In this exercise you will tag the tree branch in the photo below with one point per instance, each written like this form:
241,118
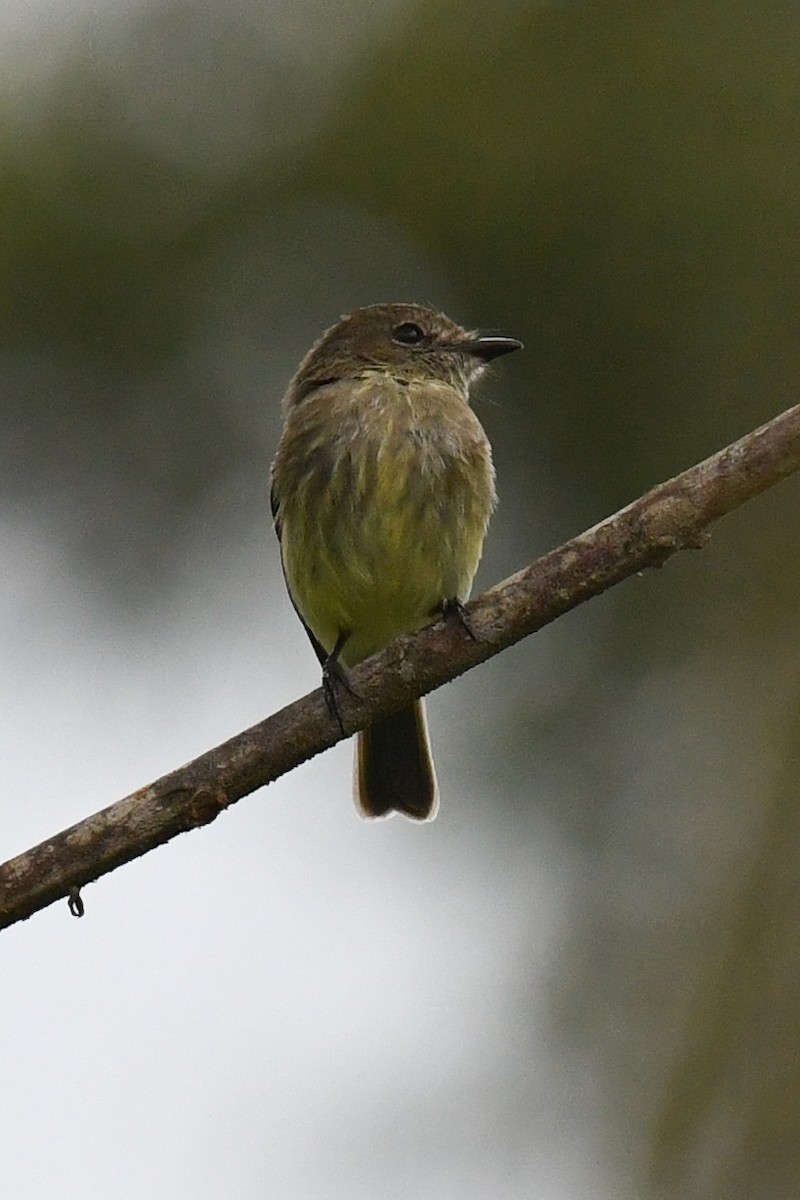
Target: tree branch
673,516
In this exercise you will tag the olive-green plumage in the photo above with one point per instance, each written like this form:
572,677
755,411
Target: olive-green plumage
382,489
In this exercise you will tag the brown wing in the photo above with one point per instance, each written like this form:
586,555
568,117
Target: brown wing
275,507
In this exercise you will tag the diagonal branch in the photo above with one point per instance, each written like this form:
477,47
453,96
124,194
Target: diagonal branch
673,516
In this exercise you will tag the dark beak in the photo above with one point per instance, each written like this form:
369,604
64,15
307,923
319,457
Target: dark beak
489,346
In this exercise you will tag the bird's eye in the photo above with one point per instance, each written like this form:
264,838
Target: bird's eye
408,334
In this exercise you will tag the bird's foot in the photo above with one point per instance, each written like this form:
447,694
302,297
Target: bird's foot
454,610
334,676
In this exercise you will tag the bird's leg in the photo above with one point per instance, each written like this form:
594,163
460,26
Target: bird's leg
454,610
333,674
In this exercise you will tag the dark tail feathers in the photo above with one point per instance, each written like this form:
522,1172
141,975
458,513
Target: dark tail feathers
394,767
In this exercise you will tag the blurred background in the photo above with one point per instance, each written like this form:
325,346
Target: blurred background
582,980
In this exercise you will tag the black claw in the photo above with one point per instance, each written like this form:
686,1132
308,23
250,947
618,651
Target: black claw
333,674
329,691
454,610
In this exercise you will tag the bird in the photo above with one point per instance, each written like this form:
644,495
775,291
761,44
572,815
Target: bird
382,488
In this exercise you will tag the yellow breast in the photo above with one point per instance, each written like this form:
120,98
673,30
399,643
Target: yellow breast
385,492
